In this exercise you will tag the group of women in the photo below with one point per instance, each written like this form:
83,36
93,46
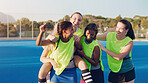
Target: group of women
69,48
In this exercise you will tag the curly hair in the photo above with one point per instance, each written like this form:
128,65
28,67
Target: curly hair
60,27
63,26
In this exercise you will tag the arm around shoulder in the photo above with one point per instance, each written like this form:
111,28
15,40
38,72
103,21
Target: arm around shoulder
102,36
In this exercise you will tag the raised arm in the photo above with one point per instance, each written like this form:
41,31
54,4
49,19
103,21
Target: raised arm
50,39
124,52
39,38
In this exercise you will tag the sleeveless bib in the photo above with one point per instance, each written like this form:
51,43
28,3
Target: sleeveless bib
88,50
115,46
79,33
63,54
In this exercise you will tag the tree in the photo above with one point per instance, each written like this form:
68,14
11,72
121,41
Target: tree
25,24
36,26
129,19
137,24
136,17
65,18
144,23
3,30
100,17
112,23
118,18
84,23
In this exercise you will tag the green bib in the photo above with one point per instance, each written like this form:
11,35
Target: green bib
88,50
115,46
79,32
63,54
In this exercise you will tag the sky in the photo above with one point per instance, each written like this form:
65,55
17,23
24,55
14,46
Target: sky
43,10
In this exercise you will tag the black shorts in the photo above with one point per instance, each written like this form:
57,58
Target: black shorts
121,77
97,76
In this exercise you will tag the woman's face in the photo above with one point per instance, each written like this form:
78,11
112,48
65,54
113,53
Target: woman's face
90,34
120,29
76,20
68,33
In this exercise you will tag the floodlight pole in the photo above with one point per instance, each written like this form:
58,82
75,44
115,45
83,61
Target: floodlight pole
20,29
32,30
7,27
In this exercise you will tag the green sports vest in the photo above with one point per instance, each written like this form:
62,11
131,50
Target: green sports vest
88,50
115,46
63,54
79,32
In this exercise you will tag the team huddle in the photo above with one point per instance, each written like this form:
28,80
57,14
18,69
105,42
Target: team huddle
68,48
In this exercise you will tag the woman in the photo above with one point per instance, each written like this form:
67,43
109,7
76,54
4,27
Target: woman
61,58
119,47
75,19
91,53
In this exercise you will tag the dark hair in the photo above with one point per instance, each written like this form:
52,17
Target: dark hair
91,26
76,13
60,27
63,26
128,25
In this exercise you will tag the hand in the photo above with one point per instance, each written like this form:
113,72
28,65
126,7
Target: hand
76,38
42,28
101,46
54,64
81,52
78,44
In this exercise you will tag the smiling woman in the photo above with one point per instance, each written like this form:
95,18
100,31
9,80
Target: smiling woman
119,52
